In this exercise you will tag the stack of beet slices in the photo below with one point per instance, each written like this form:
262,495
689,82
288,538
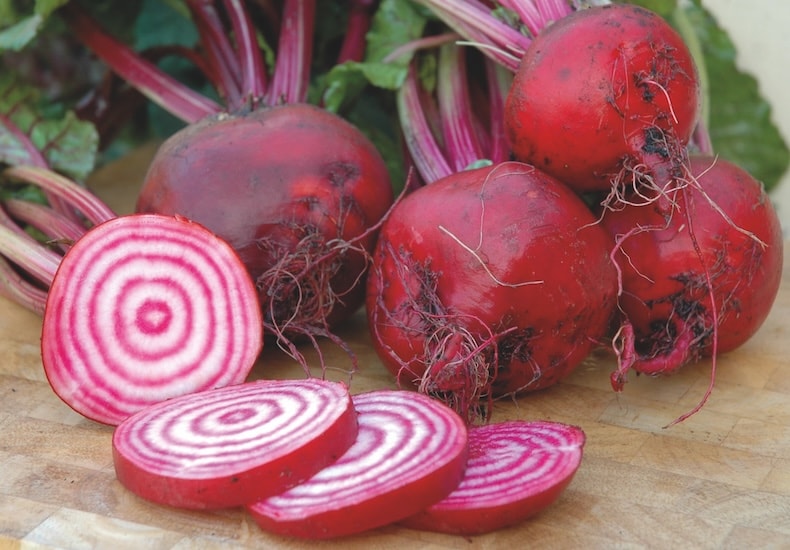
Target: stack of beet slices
308,460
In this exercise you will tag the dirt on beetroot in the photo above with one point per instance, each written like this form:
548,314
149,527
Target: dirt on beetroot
462,301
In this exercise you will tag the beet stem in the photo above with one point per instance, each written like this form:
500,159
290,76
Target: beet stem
75,195
427,155
253,84
423,43
355,38
474,21
499,80
528,12
27,253
219,52
551,10
35,157
158,86
455,108
295,48
20,291
46,219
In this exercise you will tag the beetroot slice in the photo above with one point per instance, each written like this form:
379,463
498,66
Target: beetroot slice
231,446
144,308
515,470
410,452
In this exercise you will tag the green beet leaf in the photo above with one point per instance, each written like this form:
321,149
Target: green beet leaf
69,145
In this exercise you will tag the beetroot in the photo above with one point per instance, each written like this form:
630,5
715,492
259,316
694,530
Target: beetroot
410,452
515,470
295,190
144,308
698,277
489,282
605,93
230,446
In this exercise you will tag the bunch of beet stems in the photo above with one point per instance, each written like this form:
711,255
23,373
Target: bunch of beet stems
235,67
19,250
442,131
35,157
28,265
505,44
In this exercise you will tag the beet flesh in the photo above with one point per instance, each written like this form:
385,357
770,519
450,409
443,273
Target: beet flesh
515,470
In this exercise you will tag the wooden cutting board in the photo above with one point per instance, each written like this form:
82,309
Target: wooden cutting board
719,480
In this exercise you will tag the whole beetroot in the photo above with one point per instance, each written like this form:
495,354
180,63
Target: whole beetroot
668,277
489,282
698,277
604,95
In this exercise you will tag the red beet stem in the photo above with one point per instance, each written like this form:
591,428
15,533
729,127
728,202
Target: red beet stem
152,82
294,52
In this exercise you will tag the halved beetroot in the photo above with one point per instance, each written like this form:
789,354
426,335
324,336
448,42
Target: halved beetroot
144,308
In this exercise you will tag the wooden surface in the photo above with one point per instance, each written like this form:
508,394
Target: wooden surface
719,480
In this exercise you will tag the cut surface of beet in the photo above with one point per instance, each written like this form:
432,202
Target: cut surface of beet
144,308
515,470
233,445
410,452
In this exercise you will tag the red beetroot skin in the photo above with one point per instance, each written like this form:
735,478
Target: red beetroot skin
268,179
602,88
504,259
665,297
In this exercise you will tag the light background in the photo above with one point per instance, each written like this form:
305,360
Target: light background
761,32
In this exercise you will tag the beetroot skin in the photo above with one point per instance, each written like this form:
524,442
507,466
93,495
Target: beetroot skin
603,90
489,282
289,187
666,298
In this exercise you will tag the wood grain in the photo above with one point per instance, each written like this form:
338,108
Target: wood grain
719,480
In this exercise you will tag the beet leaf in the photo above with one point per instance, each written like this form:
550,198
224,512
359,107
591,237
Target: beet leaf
27,136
